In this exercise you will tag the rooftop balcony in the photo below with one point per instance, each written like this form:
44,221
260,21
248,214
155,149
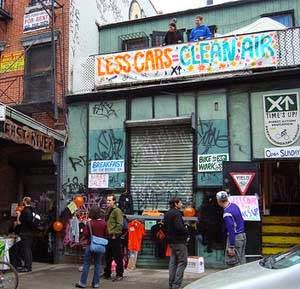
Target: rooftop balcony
227,56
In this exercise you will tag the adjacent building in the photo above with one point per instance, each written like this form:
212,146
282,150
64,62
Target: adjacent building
190,119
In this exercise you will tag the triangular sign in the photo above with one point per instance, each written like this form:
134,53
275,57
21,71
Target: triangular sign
243,180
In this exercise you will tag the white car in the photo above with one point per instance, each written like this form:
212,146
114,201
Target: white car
280,271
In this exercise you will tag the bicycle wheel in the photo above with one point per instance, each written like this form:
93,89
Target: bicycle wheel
8,276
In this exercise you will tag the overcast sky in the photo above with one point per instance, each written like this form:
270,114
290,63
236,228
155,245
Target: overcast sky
176,5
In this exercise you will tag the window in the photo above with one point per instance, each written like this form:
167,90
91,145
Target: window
135,44
209,2
286,18
35,2
38,74
158,37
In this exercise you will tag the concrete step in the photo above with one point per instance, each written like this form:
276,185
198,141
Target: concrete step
281,240
279,229
281,220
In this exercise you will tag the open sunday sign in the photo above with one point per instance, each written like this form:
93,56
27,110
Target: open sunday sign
188,59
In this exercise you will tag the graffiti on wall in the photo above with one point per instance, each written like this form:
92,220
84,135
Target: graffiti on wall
104,109
155,192
74,27
212,139
212,136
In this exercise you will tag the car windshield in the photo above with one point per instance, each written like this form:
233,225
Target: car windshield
283,260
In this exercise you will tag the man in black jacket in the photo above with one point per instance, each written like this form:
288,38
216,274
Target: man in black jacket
25,219
176,236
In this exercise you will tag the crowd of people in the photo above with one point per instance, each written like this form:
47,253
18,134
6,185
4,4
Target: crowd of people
199,32
108,226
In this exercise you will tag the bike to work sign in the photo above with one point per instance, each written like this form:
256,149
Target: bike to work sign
281,116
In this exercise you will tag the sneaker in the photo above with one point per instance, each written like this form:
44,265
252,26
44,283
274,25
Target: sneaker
77,285
118,278
96,286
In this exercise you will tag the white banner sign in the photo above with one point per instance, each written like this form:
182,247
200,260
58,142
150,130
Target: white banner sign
282,153
211,162
248,206
188,59
98,181
2,112
282,120
36,20
107,166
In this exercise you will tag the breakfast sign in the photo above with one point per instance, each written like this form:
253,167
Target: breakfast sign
188,59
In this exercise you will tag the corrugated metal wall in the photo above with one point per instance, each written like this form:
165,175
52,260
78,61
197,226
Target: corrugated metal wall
161,166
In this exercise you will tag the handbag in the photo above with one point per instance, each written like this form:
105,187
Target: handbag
98,244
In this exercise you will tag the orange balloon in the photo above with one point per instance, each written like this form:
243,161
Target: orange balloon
58,226
79,201
189,212
19,208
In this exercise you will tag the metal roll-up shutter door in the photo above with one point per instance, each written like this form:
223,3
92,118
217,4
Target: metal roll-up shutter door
161,166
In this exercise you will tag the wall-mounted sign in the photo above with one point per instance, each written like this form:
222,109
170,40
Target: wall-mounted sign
2,112
13,61
248,206
98,181
25,135
242,180
36,20
282,120
107,166
188,59
211,162
282,153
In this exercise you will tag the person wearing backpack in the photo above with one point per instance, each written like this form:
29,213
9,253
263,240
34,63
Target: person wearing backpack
115,223
93,229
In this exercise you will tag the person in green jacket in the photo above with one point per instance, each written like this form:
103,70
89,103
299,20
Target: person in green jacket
114,219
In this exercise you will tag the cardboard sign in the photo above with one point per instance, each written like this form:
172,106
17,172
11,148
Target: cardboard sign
195,265
243,180
98,181
188,59
248,206
211,162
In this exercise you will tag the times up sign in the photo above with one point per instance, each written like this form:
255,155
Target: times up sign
282,120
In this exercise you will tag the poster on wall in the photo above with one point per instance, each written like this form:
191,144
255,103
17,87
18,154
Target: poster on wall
248,206
188,59
12,61
281,117
98,181
282,153
107,166
211,162
36,20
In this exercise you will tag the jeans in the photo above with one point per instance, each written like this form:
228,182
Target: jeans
86,267
178,262
26,249
114,252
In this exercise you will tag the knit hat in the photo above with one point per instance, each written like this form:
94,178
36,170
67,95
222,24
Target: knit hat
222,196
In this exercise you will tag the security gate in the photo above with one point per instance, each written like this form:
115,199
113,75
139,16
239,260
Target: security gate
161,166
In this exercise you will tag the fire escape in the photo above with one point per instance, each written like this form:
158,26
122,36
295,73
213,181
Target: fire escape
12,86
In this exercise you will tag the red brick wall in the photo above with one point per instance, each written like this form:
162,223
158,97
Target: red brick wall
12,83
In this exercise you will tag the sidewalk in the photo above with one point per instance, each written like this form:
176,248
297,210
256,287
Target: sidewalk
64,276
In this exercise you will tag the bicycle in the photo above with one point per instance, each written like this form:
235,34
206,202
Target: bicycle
9,278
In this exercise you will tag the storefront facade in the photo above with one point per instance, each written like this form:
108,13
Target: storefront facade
191,130
30,167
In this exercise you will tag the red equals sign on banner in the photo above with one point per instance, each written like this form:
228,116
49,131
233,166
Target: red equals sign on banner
175,58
